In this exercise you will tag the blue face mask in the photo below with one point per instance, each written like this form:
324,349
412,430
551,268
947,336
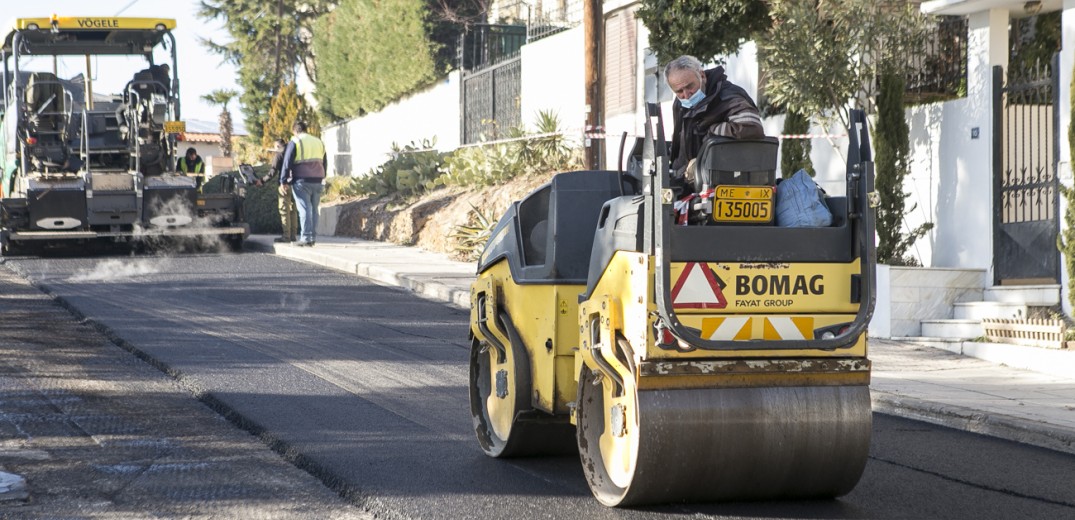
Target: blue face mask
693,100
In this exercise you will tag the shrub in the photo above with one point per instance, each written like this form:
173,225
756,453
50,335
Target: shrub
892,152
335,188
489,164
484,165
795,153
410,171
470,238
1065,241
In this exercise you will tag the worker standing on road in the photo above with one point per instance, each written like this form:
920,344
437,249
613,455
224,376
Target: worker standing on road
304,169
706,103
288,218
191,164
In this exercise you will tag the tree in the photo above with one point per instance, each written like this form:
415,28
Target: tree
1065,241
821,55
795,153
704,29
892,166
360,70
222,97
286,108
270,40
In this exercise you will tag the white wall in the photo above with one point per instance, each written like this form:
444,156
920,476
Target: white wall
952,170
1067,62
433,112
553,79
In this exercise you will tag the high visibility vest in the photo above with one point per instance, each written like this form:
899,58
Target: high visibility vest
308,148
199,166
309,157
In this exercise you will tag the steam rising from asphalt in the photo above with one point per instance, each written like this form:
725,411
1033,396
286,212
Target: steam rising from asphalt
116,270
294,302
181,212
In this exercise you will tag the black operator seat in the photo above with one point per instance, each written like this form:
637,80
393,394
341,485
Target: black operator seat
725,161
46,105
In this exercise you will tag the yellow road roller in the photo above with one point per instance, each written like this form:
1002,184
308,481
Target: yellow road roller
687,347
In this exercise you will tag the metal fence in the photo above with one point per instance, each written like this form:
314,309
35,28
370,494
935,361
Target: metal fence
553,16
541,17
491,101
939,71
488,44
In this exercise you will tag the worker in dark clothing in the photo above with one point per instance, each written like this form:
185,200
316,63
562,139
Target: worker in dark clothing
706,103
289,220
192,165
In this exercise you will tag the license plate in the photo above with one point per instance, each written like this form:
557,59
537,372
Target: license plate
738,204
175,127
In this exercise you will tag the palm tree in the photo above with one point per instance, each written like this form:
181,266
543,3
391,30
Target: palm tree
222,97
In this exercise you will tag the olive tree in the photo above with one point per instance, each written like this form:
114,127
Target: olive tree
821,55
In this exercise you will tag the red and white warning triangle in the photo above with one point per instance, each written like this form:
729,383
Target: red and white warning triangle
698,287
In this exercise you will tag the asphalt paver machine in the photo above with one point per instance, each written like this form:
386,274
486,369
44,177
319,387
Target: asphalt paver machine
79,166
707,358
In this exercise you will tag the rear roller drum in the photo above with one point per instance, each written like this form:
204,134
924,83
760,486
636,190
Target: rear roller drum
657,446
504,419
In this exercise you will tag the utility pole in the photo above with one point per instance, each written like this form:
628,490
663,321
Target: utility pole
593,27
279,27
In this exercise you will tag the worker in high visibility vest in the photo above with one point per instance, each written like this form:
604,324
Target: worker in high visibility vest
304,169
191,164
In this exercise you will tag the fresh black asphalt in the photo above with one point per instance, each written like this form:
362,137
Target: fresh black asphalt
365,387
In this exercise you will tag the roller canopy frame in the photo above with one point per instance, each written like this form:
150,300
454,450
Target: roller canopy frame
658,234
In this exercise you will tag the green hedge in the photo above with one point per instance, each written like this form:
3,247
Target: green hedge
369,53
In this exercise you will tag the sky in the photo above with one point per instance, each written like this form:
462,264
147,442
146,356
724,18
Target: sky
200,71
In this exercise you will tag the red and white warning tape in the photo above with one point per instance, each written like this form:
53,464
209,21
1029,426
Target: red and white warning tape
810,136
601,135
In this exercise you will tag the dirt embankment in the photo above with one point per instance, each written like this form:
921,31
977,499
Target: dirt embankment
430,220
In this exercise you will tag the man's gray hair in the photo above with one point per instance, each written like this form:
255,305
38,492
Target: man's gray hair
684,62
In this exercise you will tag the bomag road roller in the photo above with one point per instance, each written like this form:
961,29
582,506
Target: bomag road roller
79,166
691,351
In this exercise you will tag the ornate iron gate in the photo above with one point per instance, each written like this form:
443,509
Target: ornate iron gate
1025,185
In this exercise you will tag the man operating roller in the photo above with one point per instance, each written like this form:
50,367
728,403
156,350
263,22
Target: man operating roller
706,103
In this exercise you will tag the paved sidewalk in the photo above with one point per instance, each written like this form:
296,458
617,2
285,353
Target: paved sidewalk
909,380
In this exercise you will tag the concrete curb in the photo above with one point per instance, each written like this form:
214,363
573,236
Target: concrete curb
991,424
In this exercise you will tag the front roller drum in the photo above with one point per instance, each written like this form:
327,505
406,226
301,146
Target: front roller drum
700,445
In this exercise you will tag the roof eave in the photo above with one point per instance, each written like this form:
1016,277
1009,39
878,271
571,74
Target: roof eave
965,7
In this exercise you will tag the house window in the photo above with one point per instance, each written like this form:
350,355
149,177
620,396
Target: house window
621,62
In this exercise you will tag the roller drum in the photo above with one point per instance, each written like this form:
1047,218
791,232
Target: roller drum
727,443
